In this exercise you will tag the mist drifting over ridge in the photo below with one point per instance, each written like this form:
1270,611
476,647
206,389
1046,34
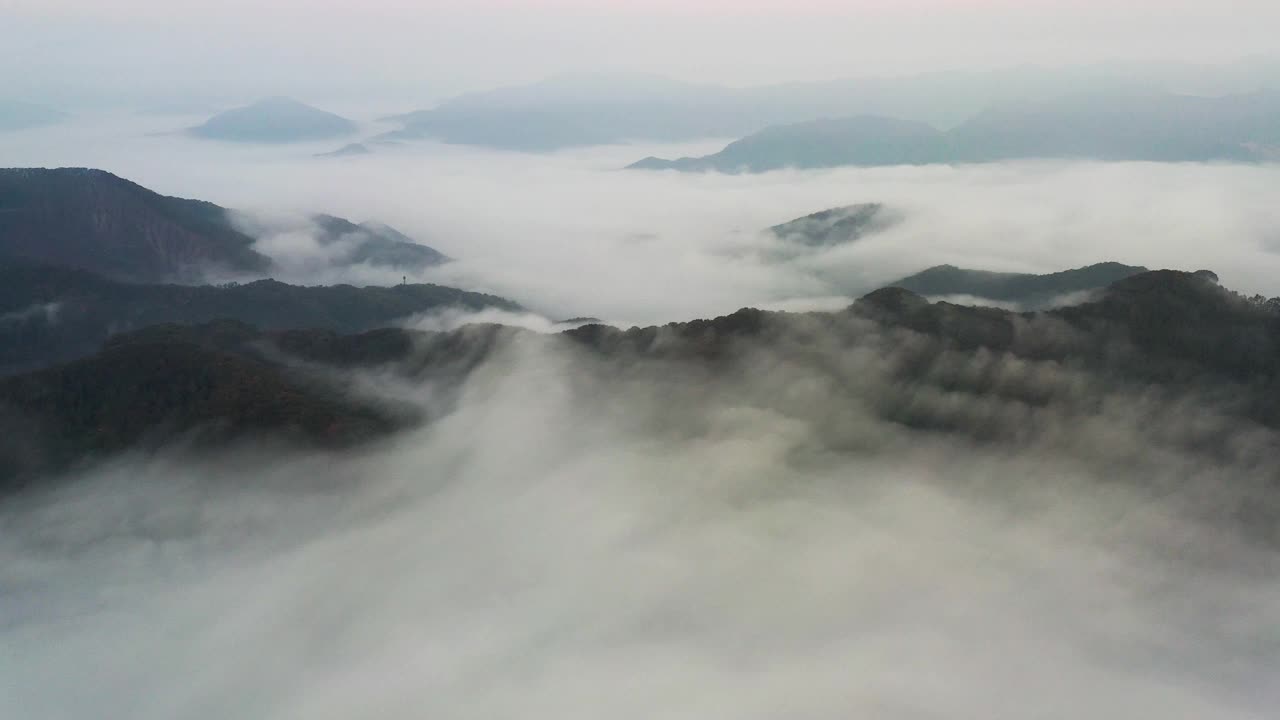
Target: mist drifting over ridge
567,235
473,423
741,538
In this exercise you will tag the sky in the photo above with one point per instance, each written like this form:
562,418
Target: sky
77,50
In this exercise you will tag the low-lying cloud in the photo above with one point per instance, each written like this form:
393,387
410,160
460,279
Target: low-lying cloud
580,538
570,235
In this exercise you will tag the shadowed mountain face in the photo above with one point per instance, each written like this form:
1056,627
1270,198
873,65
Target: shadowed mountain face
576,110
222,382
989,375
51,314
95,221
1131,126
1024,289
836,226
275,120
16,115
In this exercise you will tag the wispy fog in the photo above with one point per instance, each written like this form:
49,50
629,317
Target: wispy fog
571,235
578,541
880,512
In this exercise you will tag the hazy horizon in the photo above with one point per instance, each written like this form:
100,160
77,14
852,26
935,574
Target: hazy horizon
73,52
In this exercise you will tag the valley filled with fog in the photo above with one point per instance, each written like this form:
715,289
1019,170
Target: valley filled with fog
380,426
570,234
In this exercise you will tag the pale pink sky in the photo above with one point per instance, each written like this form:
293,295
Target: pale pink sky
439,47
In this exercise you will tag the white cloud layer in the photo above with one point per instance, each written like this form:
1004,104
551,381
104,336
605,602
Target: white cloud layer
570,235
645,548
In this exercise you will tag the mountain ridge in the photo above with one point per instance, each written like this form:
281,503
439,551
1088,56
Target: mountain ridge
97,221
1171,331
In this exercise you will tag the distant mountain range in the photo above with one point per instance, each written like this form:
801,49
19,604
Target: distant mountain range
50,314
220,382
93,220
141,393
1130,126
593,109
275,120
17,115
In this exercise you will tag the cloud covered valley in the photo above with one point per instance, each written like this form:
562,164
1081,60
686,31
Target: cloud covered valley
890,509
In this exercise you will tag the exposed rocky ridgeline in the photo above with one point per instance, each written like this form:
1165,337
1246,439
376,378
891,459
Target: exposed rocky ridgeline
223,382
93,220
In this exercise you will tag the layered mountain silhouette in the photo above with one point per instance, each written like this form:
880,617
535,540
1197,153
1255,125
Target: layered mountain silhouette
589,109
1135,125
95,221
275,120
50,314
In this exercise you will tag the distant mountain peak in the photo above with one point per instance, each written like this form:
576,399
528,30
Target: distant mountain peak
275,119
